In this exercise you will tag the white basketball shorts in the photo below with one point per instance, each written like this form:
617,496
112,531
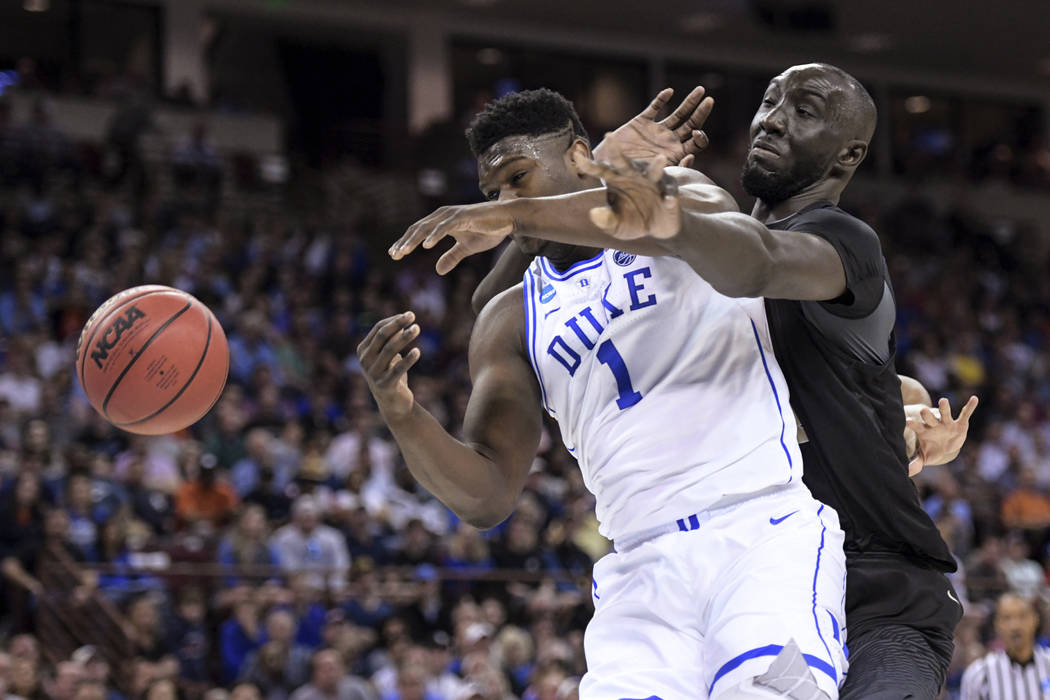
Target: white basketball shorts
693,613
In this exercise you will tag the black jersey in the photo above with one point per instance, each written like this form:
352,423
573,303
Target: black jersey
838,358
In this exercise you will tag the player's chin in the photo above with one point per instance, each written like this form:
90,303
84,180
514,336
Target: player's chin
530,246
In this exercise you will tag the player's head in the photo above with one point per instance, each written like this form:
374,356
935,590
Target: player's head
524,143
812,128
1016,622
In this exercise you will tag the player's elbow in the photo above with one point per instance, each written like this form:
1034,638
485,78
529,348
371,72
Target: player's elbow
487,515
751,276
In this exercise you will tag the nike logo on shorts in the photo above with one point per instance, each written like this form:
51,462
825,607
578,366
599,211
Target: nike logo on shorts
777,521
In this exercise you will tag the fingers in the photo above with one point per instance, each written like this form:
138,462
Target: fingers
697,143
917,425
422,230
687,162
393,347
927,417
684,113
915,466
379,328
594,168
604,218
654,169
696,118
386,339
656,107
400,365
967,410
452,257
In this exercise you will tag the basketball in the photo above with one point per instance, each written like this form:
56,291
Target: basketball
152,360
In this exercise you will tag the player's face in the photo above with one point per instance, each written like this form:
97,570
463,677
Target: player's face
529,166
795,134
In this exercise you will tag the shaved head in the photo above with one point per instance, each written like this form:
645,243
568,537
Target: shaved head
857,115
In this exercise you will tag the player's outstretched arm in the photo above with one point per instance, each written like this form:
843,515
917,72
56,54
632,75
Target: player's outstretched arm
566,218
737,254
481,477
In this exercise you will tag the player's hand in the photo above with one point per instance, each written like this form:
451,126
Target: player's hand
385,363
642,200
476,228
939,436
678,137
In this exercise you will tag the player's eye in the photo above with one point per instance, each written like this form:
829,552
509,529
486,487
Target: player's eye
803,111
768,101
517,177
492,196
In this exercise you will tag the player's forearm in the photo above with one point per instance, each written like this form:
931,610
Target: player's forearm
566,219
469,483
507,272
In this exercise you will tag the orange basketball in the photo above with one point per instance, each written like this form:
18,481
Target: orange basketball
152,360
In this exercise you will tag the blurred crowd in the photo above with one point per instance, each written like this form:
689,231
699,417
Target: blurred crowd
280,548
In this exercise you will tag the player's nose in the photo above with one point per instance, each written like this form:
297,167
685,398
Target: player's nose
773,121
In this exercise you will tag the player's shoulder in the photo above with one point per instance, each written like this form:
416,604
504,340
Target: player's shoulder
501,323
829,218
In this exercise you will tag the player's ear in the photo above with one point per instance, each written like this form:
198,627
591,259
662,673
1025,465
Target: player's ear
578,149
853,153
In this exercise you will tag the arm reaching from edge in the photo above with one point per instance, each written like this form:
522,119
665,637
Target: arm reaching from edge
481,477
735,253
563,218
939,437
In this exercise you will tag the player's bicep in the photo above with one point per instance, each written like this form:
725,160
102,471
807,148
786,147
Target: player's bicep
803,266
503,419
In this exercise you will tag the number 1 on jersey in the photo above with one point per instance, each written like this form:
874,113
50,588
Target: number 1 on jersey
609,356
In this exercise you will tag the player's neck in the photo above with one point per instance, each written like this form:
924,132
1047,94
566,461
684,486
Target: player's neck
820,192
562,257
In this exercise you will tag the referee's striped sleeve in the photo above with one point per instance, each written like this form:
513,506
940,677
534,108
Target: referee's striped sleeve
975,681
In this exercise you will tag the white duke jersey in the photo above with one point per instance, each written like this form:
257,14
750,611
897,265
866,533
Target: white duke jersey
665,391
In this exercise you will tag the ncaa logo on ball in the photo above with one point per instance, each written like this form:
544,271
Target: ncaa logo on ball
547,293
111,336
623,259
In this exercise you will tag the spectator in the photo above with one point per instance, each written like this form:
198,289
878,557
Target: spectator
307,545
146,633
208,500
1017,671
280,665
90,690
25,679
245,691
189,636
83,525
260,473
1027,509
329,680
63,684
247,542
1024,576
240,634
